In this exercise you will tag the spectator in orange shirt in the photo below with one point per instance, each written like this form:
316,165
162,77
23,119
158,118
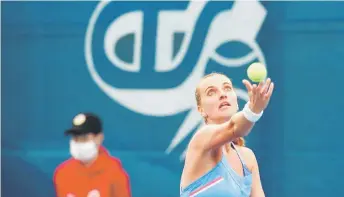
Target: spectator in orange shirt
92,171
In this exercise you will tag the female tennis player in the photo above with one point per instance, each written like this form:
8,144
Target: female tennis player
217,164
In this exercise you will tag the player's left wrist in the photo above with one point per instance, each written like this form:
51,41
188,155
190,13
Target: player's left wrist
250,114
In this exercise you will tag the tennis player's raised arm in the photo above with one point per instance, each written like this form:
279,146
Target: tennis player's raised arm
213,136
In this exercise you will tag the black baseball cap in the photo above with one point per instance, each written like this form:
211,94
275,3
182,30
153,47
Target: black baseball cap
85,123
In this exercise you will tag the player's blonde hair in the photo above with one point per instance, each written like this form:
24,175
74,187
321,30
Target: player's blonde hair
239,141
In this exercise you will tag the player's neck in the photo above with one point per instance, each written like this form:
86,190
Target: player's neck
219,121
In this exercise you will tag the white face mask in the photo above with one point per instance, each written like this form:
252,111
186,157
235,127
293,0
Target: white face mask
83,151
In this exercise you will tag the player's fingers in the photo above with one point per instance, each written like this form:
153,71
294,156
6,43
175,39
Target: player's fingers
251,93
254,90
271,89
260,86
247,84
266,86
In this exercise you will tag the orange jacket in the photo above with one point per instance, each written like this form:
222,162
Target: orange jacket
105,178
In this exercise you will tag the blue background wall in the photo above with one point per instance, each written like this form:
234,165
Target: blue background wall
45,82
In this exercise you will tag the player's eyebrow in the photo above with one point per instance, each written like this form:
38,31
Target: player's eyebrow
208,88
227,83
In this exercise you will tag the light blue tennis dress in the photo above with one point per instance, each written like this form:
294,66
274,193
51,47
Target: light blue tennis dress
221,181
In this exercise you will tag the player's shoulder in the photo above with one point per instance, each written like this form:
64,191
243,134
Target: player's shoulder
248,154
201,133
64,168
245,150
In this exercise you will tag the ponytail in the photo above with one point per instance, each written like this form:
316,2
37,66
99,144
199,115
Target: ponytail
239,141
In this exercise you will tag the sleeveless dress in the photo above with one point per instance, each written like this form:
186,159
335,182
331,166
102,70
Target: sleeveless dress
221,181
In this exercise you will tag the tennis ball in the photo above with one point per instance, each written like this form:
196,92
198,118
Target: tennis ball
256,72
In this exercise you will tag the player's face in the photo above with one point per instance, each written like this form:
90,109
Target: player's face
218,99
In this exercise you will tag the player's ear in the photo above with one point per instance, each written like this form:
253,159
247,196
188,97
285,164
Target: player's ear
202,112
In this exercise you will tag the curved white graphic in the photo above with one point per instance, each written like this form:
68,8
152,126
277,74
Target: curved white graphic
93,193
240,23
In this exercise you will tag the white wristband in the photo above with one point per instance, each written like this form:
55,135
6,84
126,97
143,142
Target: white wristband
250,115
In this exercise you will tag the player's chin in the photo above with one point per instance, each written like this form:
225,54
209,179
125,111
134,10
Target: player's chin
226,109
225,113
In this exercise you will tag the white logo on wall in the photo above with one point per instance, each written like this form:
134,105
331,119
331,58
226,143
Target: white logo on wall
240,23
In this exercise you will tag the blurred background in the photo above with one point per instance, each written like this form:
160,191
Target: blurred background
135,64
